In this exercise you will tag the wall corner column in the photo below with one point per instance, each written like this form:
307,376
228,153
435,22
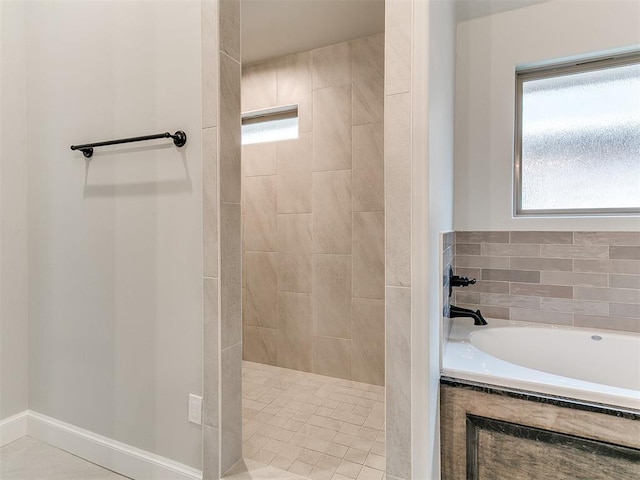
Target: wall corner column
222,283
410,370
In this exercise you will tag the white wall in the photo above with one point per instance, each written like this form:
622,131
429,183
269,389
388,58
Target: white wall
433,70
442,45
488,51
115,244
13,216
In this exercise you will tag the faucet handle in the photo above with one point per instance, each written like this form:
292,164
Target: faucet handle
457,281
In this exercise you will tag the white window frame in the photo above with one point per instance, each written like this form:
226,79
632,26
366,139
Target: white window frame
270,114
557,70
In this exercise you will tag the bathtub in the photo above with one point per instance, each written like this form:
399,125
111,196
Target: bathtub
597,366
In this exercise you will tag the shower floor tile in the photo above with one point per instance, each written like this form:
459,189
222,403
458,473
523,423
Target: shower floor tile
310,426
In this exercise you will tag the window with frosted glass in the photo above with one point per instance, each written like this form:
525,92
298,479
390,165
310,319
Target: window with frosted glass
270,125
578,149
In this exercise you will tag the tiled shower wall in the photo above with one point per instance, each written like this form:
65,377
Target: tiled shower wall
313,215
588,279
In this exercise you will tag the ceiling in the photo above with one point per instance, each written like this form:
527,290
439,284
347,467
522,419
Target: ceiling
274,28
470,9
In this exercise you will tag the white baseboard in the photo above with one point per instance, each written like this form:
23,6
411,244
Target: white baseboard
117,456
13,428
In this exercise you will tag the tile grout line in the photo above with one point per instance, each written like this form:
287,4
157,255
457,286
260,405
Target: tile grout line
294,385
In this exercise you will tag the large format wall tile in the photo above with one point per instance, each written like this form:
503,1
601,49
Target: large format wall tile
230,28
210,449
259,344
332,357
368,255
260,213
295,86
259,159
209,58
210,353
231,408
332,212
332,295
332,128
230,274
260,301
397,186
397,55
210,202
398,363
259,89
294,331
294,253
367,341
230,150
368,79
331,66
294,175
368,168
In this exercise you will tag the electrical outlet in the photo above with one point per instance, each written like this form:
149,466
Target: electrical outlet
195,409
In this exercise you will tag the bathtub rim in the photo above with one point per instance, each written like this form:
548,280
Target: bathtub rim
556,400
463,361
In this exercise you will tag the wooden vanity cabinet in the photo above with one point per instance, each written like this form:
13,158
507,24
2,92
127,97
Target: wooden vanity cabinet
490,433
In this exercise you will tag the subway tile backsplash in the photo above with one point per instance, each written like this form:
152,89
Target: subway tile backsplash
589,279
448,251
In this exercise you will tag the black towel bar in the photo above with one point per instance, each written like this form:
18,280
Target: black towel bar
179,139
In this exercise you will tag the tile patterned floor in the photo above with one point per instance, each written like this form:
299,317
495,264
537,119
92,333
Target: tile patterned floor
29,459
310,426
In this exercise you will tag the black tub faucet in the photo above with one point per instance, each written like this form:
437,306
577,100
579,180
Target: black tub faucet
455,312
